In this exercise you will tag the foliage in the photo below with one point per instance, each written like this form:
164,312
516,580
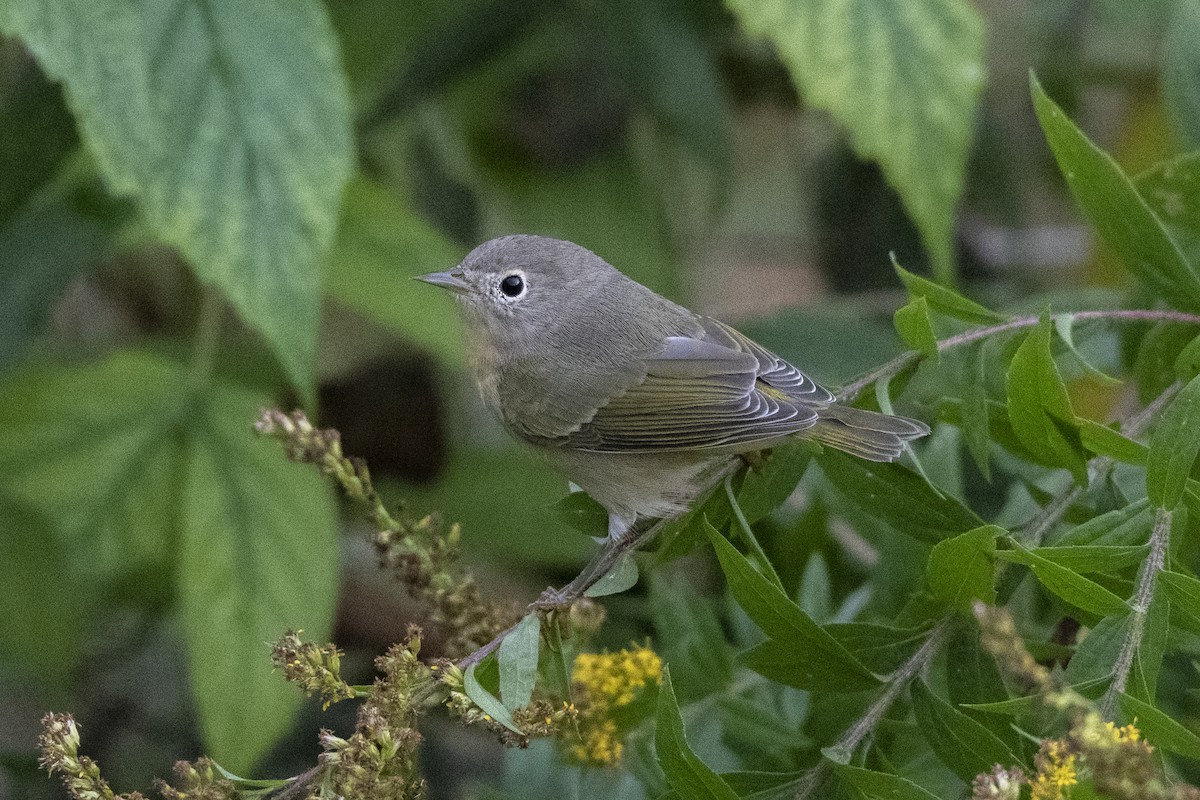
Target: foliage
1012,608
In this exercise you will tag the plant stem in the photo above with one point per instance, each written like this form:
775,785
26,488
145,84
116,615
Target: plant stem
852,390
1143,595
864,725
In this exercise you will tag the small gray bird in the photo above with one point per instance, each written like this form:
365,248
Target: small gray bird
636,399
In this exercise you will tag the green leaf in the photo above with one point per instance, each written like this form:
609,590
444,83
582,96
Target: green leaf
945,300
1159,729
799,650
1070,586
257,554
622,576
381,244
1174,447
963,569
871,785
899,497
487,701
685,772
518,660
1094,558
772,481
1122,526
1064,324
689,635
881,648
1104,441
961,743
908,100
1039,407
579,511
1180,70
1172,190
916,328
95,451
1124,220
1094,657
1019,706
236,154
1184,591
1187,364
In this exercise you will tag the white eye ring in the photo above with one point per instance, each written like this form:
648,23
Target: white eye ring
512,285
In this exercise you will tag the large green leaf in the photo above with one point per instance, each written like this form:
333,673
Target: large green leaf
1160,729
381,244
140,471
868,784
1125,221
1174,447
235,152
903,78
686,773
257,555
1181,70
1172,190
518,660
1070,586
1039,407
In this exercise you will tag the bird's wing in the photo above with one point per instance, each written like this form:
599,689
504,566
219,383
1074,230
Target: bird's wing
718,389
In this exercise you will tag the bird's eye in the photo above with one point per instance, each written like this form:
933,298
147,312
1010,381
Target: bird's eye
512,285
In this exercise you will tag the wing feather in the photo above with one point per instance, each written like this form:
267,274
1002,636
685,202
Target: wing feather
704,392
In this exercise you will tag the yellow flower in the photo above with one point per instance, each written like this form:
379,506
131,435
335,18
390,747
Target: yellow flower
604,682
1129,733
1056,771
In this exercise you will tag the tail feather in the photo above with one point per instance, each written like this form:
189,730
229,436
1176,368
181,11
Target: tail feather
866,434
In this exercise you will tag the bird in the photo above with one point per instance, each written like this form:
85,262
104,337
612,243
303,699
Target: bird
636,399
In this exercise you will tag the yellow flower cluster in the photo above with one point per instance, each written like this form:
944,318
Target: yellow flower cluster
1056,771
604,682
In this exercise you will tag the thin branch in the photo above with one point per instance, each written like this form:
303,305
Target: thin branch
864,725
852,390
1143,595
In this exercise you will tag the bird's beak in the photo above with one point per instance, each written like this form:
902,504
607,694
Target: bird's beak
450,279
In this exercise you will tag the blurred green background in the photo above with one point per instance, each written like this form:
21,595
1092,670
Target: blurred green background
664,135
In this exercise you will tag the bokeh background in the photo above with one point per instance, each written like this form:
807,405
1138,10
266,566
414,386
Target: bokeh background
657,133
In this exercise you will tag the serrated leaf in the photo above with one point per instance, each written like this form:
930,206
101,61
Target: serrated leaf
799,649
945,300
518,660
252,203
1159,729
1104,441
963,569
908,100
622,576
257,555
1124,220
916,328
381,243
961,743
487,701
1184,591
1070,586
1039,407
686,774
871,785
1174,446
899,497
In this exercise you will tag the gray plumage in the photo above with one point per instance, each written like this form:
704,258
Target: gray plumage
635,398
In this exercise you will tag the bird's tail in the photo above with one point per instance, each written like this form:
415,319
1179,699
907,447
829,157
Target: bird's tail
866,434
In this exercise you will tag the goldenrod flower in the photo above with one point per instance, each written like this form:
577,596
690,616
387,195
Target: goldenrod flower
1056,771
604,682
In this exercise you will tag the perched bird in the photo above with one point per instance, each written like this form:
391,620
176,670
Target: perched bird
636,399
